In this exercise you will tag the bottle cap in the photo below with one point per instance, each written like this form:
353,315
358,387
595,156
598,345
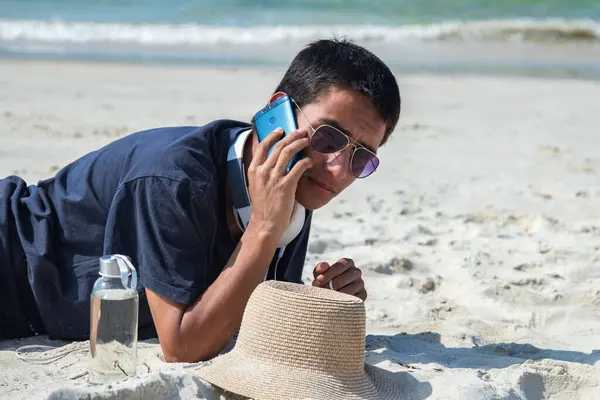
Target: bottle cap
109,266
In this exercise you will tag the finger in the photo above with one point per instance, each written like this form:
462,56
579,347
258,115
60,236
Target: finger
328,285
333,271
263,147
336,269
342,265
273,158
353,288
345,260
320,268
289,151
299,169
347,277
362,294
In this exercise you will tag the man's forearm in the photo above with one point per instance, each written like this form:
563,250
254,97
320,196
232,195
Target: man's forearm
212,320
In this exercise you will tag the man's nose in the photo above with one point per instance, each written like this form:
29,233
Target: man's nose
337,163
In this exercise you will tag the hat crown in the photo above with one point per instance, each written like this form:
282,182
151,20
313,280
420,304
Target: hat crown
301,326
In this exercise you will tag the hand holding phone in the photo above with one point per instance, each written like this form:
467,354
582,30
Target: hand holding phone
273,195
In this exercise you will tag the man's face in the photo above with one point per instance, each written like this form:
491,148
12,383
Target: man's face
353,114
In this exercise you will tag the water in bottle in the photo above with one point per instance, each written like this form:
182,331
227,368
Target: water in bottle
114,321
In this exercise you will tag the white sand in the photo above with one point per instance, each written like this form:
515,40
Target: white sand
479,237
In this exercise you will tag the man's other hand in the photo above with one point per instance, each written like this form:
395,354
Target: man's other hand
343,276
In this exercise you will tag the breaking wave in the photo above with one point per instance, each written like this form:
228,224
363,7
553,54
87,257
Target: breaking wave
191,34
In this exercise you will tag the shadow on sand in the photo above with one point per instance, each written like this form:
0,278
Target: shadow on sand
426,347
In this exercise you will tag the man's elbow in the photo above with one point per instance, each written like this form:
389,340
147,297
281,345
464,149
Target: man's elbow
172,358
182,355
176,358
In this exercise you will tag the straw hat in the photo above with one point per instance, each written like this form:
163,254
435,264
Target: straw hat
300,342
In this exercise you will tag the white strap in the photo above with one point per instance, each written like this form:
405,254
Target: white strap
125,266
43,360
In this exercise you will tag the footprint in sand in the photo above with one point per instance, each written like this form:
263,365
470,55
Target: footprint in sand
320,246
526,267
548,378
591,229
395,266
428,286
376,205
530,282
532,386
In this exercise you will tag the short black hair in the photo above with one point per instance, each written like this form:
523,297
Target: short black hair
328,63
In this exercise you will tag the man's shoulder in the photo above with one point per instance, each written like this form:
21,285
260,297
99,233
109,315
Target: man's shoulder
175,152
195,155
210,129
215,134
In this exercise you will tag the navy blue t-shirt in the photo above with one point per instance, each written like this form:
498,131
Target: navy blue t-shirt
157,196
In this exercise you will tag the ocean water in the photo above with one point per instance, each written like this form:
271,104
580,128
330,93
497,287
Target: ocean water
551,37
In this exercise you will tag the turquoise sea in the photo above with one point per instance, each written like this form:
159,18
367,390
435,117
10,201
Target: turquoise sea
551,37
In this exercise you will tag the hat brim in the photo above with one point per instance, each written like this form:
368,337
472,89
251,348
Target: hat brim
240,375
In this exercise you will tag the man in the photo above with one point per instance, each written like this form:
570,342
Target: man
162,197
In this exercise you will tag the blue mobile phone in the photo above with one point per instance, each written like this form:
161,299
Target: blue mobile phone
277,114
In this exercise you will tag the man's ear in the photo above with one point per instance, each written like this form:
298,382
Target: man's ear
275,96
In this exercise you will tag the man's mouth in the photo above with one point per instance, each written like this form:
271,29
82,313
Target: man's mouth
321,184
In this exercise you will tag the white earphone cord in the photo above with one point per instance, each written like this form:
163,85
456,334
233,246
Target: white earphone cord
279,256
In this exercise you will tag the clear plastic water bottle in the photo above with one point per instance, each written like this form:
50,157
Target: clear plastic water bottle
114,321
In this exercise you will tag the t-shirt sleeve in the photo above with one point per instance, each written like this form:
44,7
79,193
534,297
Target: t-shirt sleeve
167,228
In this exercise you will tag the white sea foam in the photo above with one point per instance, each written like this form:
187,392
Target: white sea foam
191,34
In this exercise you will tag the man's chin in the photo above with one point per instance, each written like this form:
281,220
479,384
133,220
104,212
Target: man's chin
311,200
311,204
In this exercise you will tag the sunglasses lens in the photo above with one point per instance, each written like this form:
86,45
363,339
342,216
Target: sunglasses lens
364,163
327,140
